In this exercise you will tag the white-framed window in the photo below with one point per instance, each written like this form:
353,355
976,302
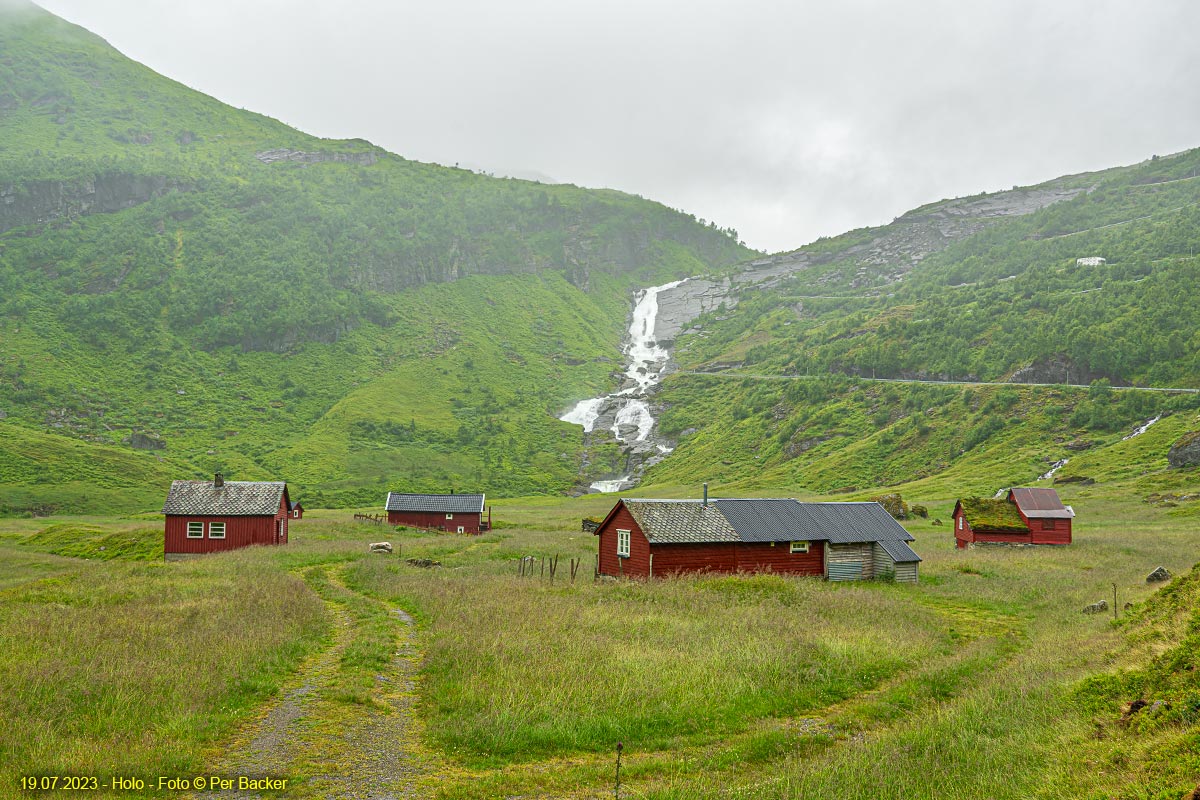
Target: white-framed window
623,543
960,522
461,529
216,530
449,516
296,514
799,547
195,530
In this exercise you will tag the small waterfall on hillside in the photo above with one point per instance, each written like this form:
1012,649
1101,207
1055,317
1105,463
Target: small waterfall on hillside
1142,429
626,412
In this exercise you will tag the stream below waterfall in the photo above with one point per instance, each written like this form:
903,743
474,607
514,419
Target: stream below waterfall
626,412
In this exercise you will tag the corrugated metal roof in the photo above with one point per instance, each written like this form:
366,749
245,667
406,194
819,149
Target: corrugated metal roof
900,552
768,520
843,523
1040,503
436,503
680,521
231,499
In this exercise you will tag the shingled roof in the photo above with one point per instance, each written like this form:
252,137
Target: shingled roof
767,520
436,503
229,499
1040,503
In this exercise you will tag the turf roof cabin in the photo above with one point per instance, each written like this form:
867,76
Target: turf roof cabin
1023,517
840,541
217,515
457,513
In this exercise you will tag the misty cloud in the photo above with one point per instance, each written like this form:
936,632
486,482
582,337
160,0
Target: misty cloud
785,121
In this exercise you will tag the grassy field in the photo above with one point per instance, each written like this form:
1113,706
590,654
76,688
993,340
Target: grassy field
984,680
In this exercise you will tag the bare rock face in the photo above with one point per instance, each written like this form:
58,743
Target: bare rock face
141,441
678,306
1056,369
299,156
1186,451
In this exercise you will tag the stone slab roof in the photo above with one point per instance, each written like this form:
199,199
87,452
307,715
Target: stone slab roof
436,503
680,521
231,499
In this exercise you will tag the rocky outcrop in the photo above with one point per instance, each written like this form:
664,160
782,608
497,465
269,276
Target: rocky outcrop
40,202
678,306
1186,451
141,441
1056,369
302,157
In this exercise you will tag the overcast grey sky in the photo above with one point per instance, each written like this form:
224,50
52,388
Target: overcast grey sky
784,120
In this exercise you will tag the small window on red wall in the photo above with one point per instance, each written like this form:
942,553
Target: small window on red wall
1047,524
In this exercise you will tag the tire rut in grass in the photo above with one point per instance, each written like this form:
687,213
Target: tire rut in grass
344,727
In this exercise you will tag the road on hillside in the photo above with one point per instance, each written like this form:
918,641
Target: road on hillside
752,376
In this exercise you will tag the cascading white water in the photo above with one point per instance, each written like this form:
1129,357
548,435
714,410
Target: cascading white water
1141,429
645,363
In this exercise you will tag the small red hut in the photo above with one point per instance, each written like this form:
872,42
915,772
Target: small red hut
297,510
217,515
457,513
1025,516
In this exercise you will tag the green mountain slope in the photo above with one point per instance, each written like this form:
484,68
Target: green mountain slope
265,302
987,288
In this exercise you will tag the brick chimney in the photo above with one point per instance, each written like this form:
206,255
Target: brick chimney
218,481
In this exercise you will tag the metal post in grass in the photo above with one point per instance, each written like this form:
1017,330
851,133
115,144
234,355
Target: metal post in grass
1114,601
617,790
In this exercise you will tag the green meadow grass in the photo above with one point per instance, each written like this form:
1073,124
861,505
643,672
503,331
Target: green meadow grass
984,680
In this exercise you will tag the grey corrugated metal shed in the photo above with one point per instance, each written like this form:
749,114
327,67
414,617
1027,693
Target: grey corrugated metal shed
230,499
436,503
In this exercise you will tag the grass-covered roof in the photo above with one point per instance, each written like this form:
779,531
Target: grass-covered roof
992,515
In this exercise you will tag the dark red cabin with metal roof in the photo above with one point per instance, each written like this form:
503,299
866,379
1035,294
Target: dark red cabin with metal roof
840,541
456,513
1026,516
218,515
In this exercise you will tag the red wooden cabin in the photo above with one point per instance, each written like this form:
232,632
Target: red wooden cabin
217,515
456,513
297,510
1026,516
840,541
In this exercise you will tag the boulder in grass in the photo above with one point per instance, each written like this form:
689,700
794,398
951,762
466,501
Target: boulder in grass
1096,608
1158,576
1186,451
380,547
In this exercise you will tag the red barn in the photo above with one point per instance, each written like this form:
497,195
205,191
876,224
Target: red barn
457,513
840,541
212,516
1024,517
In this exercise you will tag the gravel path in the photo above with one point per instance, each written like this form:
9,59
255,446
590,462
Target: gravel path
328,748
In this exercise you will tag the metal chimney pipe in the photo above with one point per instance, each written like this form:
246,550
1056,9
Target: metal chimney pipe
706,494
